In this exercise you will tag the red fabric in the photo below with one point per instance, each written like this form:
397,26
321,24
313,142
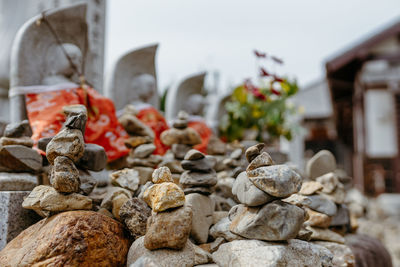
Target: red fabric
205,133
153,118
102,128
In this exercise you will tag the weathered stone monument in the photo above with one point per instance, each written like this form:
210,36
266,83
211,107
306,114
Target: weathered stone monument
133,79
186,96
13,14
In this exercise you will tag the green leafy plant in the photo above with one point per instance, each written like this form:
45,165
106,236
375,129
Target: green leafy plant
262,108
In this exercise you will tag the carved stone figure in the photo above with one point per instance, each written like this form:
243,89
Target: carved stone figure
133,79
186,96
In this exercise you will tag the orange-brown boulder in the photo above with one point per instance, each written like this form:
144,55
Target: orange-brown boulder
73,238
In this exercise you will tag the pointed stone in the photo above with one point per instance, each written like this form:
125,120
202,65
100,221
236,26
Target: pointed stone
253,151
262,160
164,196
162,175
18,129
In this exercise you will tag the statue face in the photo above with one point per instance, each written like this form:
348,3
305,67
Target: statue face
143,87
58,64
195,104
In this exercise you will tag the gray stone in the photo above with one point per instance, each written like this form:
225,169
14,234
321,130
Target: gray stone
247,193
14,219
342,216
23,141
76,122
180,150
200,165
17,181
134,213
190,178
187,136
173,165
222,204
113,192
253,151
236,154
320,164
161,175
163,257
145,174
126,178
18,129
143,188
262,160
102,177
216,146
94,158
198,189
194,154
68,143
329,182
168,229
224,187
144,262
143,151
65,176
342,254
201,256
277,180
16,158
134,126
88,183
219,215
203,208
322,204
221,229
42,143
325,235
274,221
45,199
255,253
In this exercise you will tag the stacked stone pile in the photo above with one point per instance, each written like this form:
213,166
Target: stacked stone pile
262,218
197,182
65,151
181,138
16,153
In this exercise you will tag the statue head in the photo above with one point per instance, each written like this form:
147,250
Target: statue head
57,63
144,87
195,104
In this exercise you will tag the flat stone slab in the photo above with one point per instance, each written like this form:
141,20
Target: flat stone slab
17,181
13,218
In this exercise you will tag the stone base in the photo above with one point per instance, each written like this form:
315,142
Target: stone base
17,181
13,218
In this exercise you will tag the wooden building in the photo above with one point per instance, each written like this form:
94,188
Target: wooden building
364,82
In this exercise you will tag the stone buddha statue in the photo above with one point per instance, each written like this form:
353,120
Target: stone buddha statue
58,69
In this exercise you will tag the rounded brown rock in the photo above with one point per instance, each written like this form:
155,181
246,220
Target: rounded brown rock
75,238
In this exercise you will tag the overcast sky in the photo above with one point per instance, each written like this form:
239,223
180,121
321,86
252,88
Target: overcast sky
210,35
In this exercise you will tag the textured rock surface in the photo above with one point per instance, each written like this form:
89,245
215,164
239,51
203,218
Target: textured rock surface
277,180
247,193
134,126
189,178
161,175
194,154
94,158
69,143
126,178
203,208
329,181
221,229
18,129
65,176
144,150
168,229
164,196
14,218
47,199
201,256
322,204
272,222
187,136
262,160
88,182
318,219
199,165
113,192
163,257
253,151
255,253
76,238
320,164
134,213
325,235
310,187
23,141
16,158
144,174
342,254
17,181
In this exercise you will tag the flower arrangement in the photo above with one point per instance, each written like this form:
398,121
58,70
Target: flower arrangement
261,108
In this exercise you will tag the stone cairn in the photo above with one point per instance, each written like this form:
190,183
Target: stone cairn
197,181
66,151
181,138
141,139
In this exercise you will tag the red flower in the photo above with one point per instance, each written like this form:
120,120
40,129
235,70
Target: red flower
264,73
259,95
260,54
